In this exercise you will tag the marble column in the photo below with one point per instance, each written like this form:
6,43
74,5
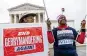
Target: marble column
15,18
43,17
11,18
39,17
34,19
37,20
20,16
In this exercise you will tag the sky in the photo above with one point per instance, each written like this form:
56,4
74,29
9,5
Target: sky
74,9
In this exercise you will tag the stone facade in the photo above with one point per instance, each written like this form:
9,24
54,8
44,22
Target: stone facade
17,12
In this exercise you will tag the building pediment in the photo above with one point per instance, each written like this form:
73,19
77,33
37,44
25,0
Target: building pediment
25,7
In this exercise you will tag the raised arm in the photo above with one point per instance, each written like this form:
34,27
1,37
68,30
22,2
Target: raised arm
81,36
49,32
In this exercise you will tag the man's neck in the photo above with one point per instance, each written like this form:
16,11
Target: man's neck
62,26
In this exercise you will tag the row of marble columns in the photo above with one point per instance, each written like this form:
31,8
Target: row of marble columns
39,18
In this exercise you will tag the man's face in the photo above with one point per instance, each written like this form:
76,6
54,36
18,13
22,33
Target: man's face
29,19
62,21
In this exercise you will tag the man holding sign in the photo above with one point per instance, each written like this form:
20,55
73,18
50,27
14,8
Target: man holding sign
64,37
25,39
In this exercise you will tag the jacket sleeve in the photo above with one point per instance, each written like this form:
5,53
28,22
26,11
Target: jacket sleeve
81,37
50,36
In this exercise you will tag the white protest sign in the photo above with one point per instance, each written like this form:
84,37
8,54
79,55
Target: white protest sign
25,39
